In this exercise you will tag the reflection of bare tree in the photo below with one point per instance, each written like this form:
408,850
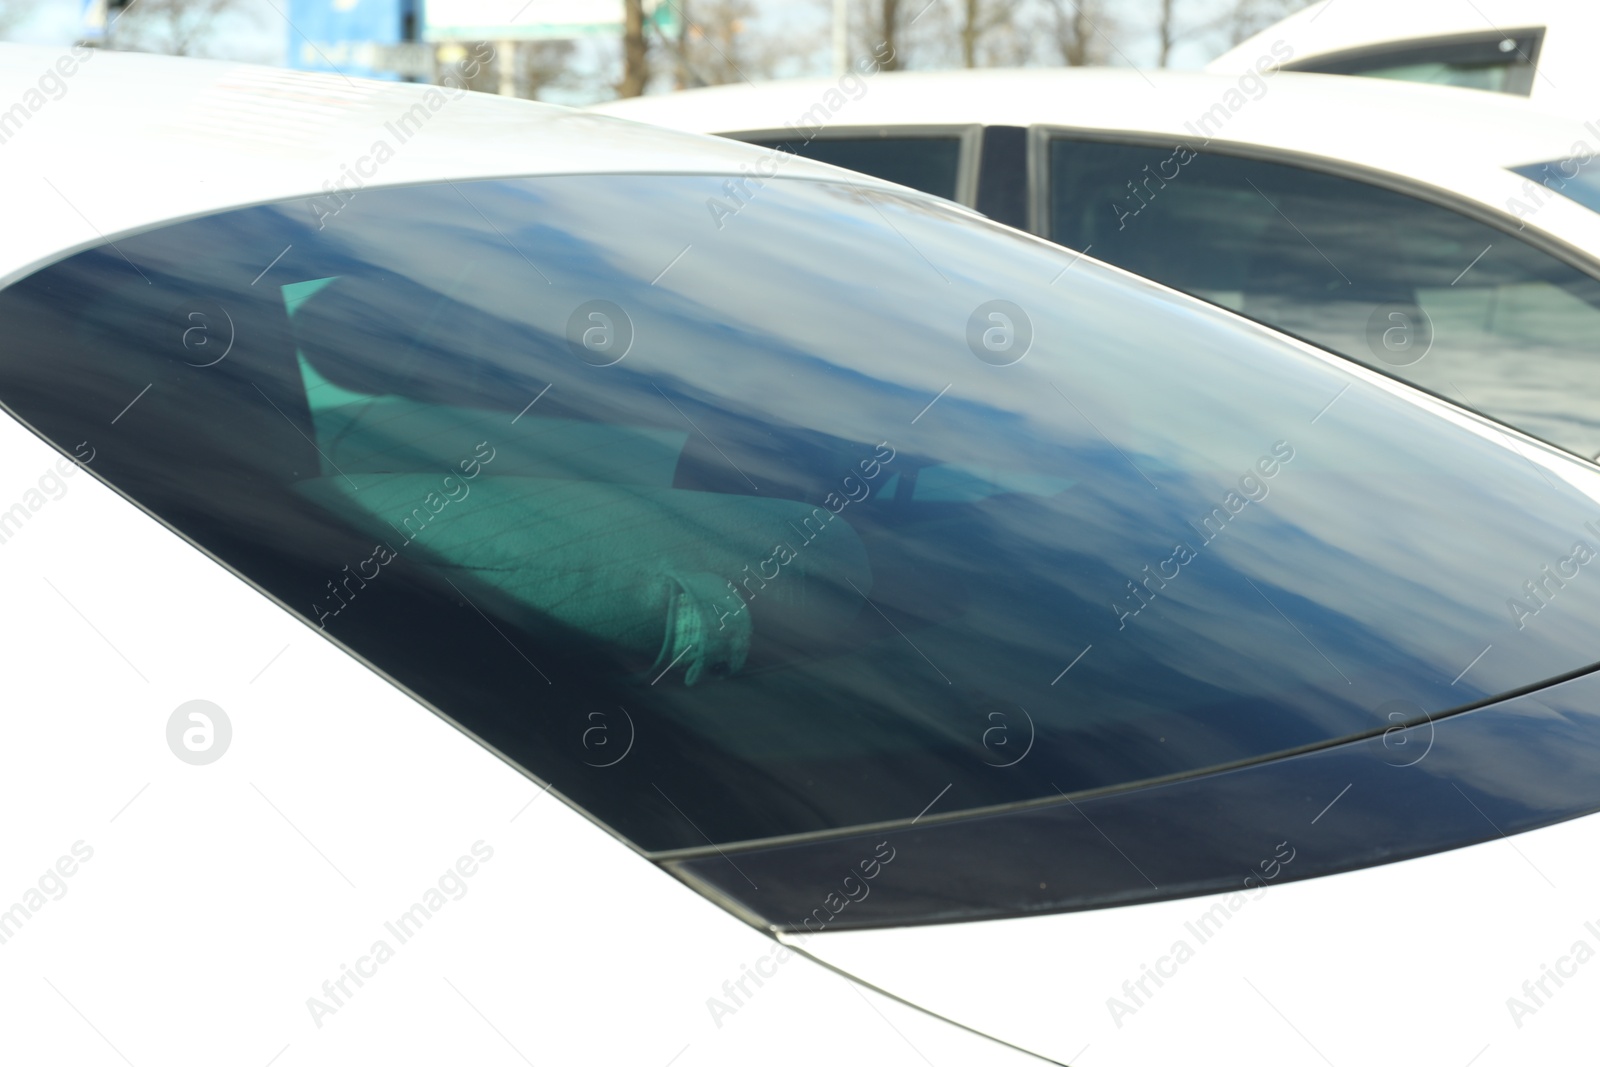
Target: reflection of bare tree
177,27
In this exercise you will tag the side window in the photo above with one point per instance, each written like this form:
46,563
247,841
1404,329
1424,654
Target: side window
930,164
1466,311
1500,63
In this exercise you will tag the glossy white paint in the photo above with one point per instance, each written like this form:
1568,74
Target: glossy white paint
198,910
131,140
1435,136
1406,964
218,899
1567,77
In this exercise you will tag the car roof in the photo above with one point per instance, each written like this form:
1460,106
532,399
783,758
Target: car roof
1296,112
94,144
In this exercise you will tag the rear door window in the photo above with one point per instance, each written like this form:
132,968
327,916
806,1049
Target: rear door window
931,164
1422,292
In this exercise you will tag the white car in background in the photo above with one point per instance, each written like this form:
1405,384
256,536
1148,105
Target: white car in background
488,583
1450,239
1542,49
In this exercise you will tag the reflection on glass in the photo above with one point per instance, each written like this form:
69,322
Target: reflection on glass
1465,311
777,517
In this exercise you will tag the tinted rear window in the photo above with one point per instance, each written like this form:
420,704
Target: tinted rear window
851,507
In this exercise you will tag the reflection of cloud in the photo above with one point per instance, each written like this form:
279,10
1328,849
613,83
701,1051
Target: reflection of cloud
1389,544
1193,399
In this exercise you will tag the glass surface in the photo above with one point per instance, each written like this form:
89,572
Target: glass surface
929,164
1490,61
1494,77
1576,178
853,507
1468,312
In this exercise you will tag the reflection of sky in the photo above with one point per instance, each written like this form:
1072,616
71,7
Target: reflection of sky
1381,559
1333,260
1388,537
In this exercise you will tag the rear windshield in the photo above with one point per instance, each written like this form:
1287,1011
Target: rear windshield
831,510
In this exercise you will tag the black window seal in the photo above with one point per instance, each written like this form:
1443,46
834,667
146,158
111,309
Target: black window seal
966,814
984,868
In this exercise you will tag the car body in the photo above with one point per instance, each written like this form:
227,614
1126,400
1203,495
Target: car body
1381,220
1539,49
478,588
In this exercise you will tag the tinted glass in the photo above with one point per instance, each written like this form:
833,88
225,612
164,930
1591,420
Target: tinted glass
1466,311
930,164
1492,61
788,525
1574,178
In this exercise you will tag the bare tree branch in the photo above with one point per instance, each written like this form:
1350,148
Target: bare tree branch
1081,31
177,27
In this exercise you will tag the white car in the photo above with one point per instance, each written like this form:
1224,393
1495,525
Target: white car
487,583
1542,49
1451,239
